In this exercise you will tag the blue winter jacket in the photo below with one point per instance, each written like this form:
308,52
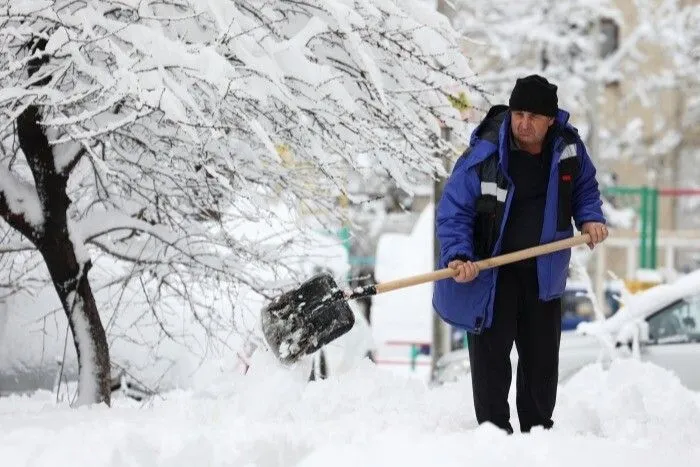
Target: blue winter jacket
470,305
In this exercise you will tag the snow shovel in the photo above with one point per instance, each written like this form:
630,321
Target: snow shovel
301,321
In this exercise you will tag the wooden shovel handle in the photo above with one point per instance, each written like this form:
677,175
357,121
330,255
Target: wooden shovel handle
485,263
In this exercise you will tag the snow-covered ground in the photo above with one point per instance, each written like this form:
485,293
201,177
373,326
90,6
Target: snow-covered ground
634,414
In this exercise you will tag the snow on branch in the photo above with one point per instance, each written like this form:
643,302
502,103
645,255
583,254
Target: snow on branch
19,202
200,119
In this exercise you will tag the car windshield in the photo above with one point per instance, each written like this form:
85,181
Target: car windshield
679,321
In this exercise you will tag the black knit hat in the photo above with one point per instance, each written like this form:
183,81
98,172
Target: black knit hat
534,94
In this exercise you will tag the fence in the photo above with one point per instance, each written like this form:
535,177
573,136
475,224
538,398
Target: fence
645,200
416,349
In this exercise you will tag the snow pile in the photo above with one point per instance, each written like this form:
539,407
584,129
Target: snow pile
634,414
631,401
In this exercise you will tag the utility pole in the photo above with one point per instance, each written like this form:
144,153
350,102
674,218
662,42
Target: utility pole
441,332
440,344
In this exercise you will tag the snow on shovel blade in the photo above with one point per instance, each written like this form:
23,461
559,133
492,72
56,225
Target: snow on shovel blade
303,320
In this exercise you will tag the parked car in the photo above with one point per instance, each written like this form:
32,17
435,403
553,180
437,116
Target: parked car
577,306
659,325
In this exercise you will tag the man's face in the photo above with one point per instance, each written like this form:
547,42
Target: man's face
529,128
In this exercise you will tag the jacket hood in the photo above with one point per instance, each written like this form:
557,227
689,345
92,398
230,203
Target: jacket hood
490,125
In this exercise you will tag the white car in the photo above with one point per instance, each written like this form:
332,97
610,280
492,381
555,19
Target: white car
660,325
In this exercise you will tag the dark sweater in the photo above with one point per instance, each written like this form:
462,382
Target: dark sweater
530,176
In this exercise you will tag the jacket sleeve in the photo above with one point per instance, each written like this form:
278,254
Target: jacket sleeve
455,216
587,203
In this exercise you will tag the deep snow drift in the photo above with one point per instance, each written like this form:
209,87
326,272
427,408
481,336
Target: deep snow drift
633,414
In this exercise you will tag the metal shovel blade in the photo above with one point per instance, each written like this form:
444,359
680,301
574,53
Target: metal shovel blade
301,321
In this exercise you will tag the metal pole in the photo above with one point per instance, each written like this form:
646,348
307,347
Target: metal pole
644,211
600,277
441,333
670,257
654,193
631,260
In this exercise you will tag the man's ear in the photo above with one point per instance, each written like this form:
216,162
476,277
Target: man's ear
551,121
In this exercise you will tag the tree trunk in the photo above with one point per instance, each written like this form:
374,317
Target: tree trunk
73,287
68,273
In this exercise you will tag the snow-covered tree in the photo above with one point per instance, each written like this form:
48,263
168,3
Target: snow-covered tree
149,130
647,48
507,40
670,29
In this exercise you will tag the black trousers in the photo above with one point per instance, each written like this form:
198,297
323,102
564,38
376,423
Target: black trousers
535,327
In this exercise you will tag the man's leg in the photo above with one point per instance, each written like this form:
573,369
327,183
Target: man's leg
489,355
537,340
